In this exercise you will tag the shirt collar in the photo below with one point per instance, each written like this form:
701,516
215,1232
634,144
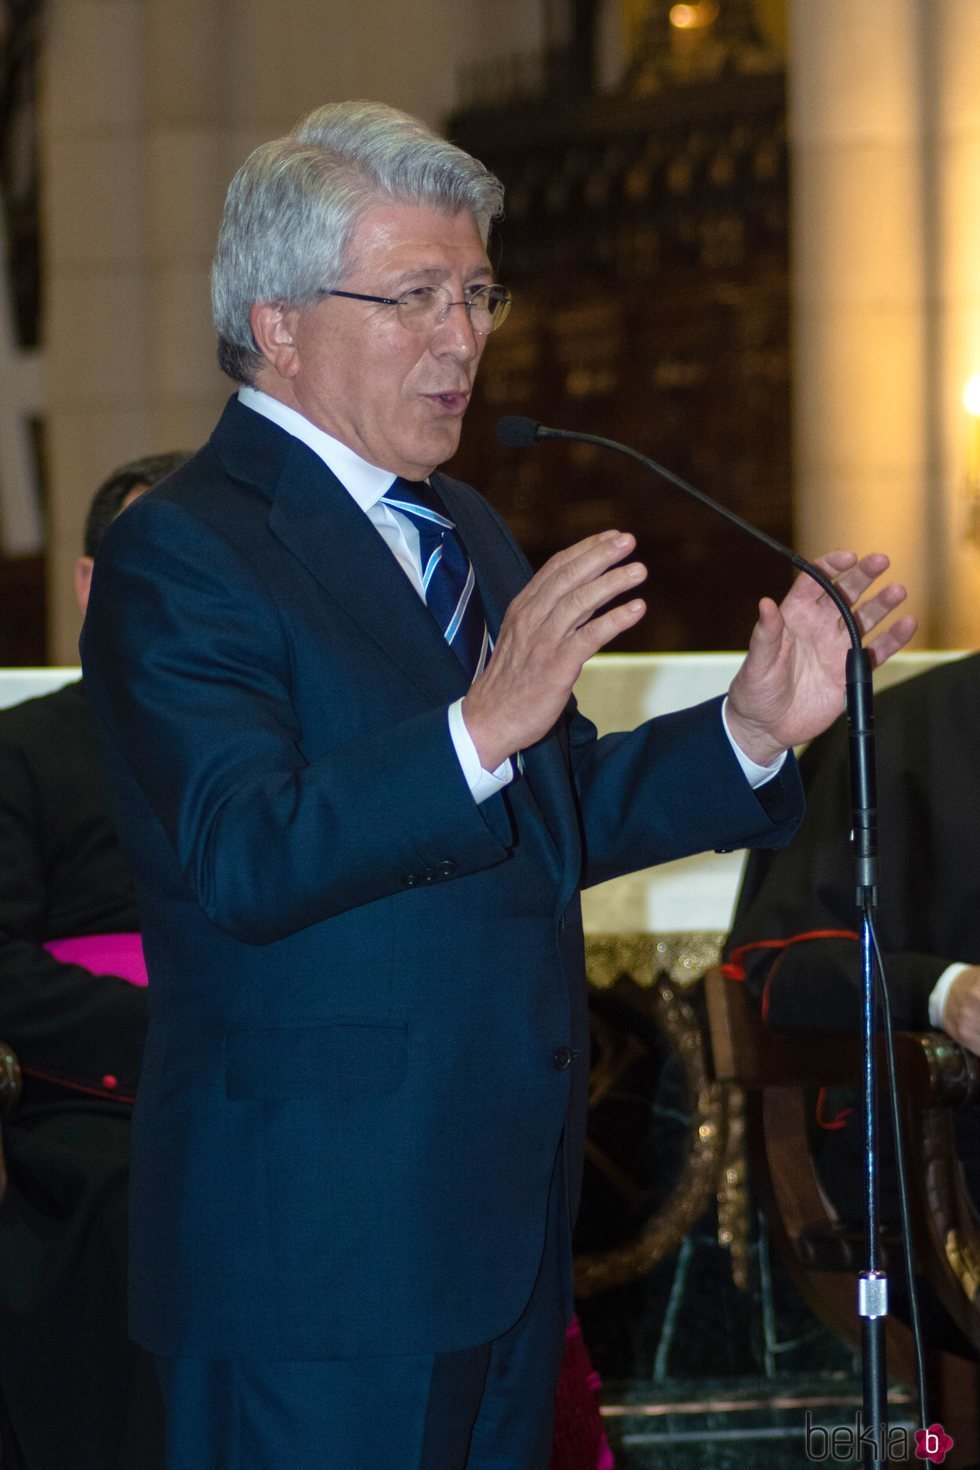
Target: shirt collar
365,483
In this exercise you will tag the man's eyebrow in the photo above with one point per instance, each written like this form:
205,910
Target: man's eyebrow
438,273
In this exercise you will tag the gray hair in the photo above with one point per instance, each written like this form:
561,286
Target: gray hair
294,204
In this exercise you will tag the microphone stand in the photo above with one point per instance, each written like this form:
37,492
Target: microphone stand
516,432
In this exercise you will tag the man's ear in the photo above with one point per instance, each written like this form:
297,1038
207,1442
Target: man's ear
272,326
83,581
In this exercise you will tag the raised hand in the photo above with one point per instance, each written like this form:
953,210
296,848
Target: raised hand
790,686
551,628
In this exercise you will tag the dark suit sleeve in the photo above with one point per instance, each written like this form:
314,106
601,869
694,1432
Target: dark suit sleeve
64,1023
671,788
795,933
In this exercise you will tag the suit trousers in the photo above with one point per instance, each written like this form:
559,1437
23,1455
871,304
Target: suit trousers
489,1407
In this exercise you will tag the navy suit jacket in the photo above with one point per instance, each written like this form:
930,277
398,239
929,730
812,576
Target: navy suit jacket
368,1038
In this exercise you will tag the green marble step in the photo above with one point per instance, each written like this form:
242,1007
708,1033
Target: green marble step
732,1424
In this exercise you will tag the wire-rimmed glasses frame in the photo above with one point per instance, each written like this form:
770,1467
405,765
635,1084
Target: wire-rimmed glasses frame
426,307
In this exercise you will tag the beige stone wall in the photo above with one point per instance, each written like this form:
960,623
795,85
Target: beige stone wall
148,107
885,128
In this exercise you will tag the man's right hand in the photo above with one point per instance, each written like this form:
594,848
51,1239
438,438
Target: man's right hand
552,627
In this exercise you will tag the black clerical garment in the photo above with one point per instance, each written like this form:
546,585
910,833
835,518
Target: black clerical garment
75,1393
795,934
795,928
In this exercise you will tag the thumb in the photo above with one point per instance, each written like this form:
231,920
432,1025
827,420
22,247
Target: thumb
767,634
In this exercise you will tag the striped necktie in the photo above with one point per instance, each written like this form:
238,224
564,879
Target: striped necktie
448,580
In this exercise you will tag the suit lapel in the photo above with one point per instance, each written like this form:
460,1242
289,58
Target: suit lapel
315,518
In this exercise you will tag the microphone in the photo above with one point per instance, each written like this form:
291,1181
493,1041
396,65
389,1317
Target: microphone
521,433
517,432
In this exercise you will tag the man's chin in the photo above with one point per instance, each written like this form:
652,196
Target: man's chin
437,448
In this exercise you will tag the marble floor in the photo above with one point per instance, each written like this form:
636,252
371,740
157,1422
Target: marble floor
699,1374
743,1425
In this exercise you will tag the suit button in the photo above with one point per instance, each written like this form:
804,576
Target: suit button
446,868
427,875
409,880
562,1058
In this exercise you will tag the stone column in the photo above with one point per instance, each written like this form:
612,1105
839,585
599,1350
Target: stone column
952,147
133,166
860,339
885,128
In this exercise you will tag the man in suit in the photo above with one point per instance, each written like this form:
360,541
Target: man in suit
795,934
359,840
68,923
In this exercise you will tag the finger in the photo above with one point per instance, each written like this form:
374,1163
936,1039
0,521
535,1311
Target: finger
892,639
598,631
603,548
855,581
543,627
766,637
580,604
850,573
573,567
834,564
870,613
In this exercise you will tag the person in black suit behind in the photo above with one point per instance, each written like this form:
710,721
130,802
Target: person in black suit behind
795,933
74,1390
795,936
359,835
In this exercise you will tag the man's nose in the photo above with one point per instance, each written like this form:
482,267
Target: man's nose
454,332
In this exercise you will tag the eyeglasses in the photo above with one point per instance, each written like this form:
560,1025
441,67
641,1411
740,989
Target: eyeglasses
425,307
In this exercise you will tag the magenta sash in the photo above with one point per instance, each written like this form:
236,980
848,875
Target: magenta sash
103,954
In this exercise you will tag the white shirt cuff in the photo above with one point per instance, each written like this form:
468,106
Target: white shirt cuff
939,992
481,783
755,774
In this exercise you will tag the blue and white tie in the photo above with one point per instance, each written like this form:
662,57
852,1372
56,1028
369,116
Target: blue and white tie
448,581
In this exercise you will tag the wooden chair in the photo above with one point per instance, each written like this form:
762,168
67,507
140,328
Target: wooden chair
822,1252
648,1056
10,1085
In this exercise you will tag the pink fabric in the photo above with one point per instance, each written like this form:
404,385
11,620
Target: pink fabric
579,1441
103,954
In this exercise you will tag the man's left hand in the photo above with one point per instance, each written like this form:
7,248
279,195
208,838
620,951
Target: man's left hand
790,685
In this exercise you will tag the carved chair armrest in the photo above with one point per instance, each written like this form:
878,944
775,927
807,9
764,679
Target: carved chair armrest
10,1079
933,1070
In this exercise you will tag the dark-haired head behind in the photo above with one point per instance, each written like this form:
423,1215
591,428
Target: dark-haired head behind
112,496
